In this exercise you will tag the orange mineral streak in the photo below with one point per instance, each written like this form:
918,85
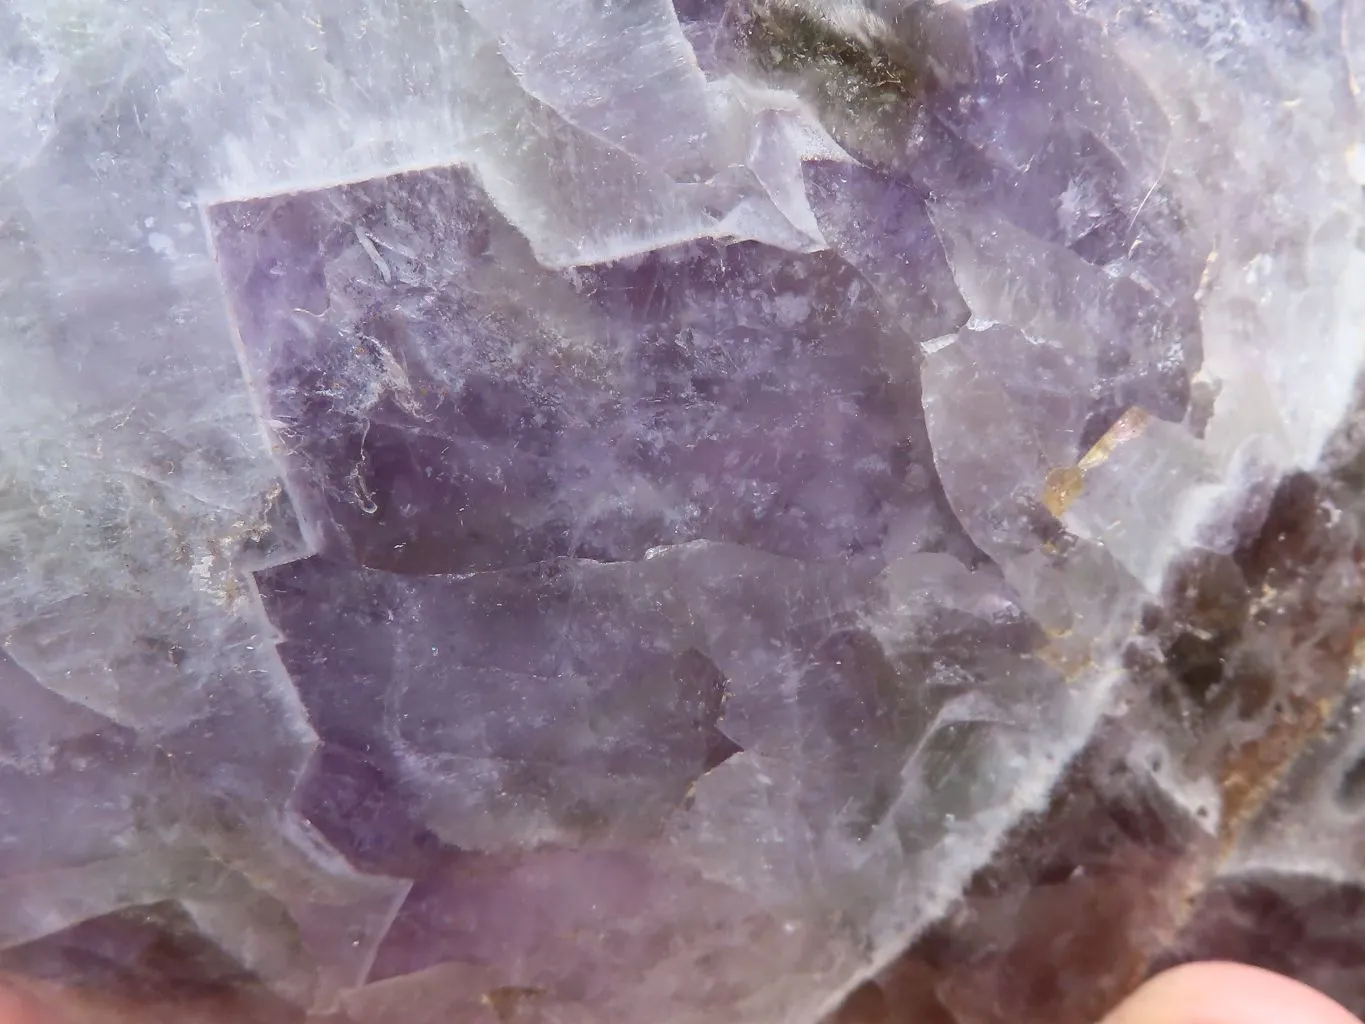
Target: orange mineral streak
1063,485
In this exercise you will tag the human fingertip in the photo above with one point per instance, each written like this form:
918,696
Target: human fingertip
1227,993
15,1008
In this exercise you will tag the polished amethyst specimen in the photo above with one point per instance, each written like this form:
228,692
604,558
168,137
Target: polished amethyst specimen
747,510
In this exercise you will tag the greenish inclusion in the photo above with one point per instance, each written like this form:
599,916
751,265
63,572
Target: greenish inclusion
844,73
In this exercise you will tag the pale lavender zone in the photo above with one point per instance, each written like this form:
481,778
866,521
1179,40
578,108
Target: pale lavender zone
563,698
56,753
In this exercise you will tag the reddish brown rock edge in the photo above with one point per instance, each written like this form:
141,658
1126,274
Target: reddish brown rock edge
1239,671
